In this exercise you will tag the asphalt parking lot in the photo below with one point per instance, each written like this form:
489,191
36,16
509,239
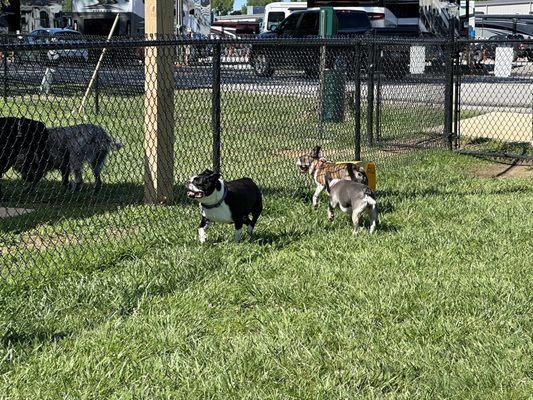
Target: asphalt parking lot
477,90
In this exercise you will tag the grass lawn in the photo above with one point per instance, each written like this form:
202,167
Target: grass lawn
436,305
106,298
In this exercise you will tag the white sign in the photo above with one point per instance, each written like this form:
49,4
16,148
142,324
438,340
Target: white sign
101,6
417,64
503,62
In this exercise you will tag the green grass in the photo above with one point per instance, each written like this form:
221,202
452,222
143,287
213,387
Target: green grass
436,305
106,298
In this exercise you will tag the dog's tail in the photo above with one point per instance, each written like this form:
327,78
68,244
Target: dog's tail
327,180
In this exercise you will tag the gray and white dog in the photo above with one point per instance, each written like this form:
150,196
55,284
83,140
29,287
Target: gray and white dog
353,198
67,149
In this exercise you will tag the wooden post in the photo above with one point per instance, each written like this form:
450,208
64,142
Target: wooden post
159,105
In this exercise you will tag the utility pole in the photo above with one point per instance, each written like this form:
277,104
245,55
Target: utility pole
159,104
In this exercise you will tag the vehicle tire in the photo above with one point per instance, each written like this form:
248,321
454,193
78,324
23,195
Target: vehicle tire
262,66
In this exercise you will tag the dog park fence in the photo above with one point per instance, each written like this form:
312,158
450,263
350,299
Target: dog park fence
244,107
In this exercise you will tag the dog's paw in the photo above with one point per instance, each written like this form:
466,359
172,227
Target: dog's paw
202,236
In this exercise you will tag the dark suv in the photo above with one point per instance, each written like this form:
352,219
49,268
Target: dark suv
266,59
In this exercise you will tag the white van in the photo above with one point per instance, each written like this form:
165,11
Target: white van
380,17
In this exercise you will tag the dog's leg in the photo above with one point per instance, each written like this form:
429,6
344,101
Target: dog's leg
356,213
373,213
78,179
256,212
204,224
319,189
331,216
238,230
65,173
97,165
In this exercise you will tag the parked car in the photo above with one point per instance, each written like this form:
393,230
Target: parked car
266,59
53,35
519,49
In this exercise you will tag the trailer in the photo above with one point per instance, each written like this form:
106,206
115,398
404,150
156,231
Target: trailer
95,17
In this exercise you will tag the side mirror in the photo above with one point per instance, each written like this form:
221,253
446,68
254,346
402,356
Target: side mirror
273,28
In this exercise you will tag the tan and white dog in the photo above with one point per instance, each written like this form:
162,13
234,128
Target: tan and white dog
317,166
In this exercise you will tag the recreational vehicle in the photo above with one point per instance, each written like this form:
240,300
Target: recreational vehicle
95,17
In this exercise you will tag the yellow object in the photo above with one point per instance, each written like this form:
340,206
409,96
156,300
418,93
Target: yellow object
370,170
371,174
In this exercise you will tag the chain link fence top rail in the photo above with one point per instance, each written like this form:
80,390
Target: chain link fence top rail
74,167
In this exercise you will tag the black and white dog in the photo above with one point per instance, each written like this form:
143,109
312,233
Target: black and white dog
229,202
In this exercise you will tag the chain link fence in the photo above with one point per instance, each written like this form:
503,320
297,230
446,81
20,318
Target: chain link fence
77,159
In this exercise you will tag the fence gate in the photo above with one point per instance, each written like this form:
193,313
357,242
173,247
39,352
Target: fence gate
494,100
405,105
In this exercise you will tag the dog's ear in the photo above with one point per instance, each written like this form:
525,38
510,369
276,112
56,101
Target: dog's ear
316,152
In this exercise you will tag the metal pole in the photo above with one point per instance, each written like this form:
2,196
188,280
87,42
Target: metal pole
5,76
457,117
448,90
215,108
357,103
97,93
370,96
378,99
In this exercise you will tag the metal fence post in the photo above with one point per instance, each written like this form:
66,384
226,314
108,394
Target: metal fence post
357,103
97,93
378,97
215,107
6,87
370,95
448,91
457,108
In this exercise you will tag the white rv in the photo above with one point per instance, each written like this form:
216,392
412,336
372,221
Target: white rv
278,11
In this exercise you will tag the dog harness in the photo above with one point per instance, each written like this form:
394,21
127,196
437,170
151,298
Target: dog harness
218,203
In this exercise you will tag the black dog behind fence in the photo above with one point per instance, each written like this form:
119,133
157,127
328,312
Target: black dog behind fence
241,107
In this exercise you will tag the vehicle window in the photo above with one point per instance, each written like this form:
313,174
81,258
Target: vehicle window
275,18
289,23
67,35
309,24
352,20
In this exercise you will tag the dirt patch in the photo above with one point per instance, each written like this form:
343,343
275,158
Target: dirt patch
503,171
60,240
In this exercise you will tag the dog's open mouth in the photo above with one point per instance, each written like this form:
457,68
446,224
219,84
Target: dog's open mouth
194,195
303,168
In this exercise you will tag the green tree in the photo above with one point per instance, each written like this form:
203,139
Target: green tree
222,6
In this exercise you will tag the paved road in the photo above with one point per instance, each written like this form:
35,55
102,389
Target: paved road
483,91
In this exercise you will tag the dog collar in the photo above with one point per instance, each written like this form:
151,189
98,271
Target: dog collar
210,206
321,161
